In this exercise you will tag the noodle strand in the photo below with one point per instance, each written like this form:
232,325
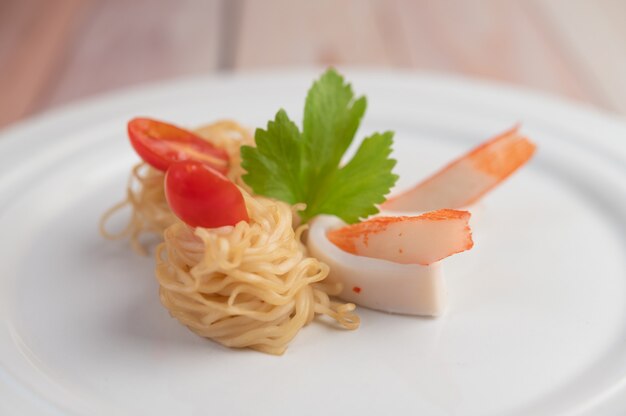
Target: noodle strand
145,193
249,285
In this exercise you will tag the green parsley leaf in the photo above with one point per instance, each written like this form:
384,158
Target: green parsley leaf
361,183
331,118
274,165
295,167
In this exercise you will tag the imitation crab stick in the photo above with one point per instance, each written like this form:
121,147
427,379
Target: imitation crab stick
467,179
422,239
379,284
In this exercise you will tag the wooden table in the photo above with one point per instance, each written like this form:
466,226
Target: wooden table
56,51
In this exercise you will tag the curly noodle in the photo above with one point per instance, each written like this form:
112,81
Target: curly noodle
145,190
249,285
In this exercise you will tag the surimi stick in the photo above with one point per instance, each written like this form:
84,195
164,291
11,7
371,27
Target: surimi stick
422,239
375,283
467,179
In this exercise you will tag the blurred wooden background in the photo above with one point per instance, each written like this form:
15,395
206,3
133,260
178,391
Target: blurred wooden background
55,51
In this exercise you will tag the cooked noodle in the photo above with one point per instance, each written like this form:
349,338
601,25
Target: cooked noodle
249,285
230,136
149,210
145,190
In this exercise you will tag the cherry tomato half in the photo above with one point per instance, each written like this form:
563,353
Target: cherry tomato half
203,197
161,144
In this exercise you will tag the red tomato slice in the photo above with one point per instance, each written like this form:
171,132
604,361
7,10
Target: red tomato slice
161,144
203,197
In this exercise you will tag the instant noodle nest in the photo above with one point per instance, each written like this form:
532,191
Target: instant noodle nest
249,285
145,190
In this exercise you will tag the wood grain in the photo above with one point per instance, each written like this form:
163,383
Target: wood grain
122,43
592,35
34,37
497,40
275,33
53,52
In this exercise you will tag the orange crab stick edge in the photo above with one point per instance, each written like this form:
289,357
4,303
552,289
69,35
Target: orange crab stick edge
467,179
422,239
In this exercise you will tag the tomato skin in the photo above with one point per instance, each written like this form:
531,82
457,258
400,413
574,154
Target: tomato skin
161,144
203,197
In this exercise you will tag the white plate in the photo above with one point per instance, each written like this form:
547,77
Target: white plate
537,316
